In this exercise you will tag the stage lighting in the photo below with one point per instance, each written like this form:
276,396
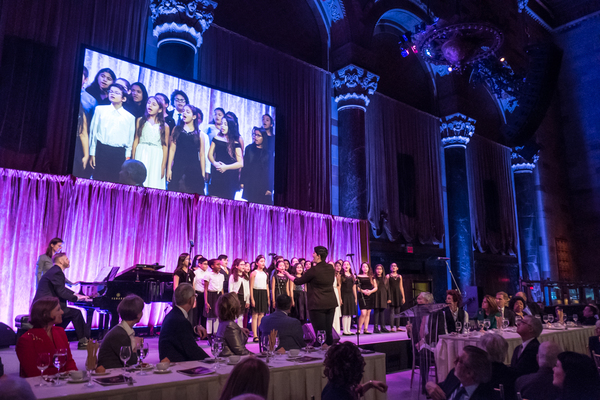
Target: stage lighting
404,52
449,69
414,49
502,59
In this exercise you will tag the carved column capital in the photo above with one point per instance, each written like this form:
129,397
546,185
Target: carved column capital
352,87
183,21
457,130
521,164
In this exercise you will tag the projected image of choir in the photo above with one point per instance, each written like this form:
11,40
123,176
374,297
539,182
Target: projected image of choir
119,121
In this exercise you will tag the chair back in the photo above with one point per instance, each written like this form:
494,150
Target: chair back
596,359
500,390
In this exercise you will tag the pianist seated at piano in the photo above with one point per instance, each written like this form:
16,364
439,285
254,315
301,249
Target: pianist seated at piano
177,341
52,284
130,309
45,337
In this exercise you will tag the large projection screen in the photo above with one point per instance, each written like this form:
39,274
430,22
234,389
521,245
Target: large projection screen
205,141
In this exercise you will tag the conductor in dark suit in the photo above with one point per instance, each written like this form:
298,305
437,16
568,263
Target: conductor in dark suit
130,309
177,341
468,380
321,298
52,284
538,386
524,358
288,328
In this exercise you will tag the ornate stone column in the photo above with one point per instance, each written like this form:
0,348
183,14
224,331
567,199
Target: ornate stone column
179,26
457,130
526,200
352,87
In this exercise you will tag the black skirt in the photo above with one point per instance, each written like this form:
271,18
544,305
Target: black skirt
212,298
300,310
348,304
366,302
242,302
261,301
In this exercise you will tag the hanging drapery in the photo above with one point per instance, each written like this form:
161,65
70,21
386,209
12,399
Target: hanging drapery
493,219
106,224
403,158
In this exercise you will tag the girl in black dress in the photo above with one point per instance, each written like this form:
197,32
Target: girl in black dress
183,274
396,296
366,287
299,307
279,284
99,87
381,300
348,297
185,148
225,155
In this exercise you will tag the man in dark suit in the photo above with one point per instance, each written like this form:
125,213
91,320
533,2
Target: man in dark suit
288,328
321,300
130,309
538,386
524,358
507,313
468,380
177,341
52,284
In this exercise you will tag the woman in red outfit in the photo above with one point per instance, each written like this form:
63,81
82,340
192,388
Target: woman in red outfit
43,338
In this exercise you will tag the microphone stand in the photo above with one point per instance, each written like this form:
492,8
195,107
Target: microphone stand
446,261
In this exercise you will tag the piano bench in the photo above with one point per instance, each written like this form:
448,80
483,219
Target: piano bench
22,324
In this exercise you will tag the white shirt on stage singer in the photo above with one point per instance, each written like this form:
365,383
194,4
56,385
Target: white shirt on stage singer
112,127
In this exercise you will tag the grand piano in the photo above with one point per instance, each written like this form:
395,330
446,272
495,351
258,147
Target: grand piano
144,280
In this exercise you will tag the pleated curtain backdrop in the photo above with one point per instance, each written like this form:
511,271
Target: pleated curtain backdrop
493,215
393,129
107,224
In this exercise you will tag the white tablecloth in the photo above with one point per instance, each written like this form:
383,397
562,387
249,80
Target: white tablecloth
288,381
449,347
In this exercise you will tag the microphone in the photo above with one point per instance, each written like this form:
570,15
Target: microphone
272,254
443,258
191,243
350,255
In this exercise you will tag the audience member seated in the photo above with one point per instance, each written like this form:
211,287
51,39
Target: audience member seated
469,379
52,284
538,386
130,309
177,341
530,308
497,348
133,172
577,377
590,313
15,388
488,310
594,341
43,338
234,337
454,312
249,376
344,367
517,304
524,358
502,301
288,328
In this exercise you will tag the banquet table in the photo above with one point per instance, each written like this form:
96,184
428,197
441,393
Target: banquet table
450,346
288,381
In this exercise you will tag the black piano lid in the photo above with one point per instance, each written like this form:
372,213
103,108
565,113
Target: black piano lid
142,272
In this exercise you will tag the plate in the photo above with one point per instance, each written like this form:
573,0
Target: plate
100,373
166,371
146,367
82,380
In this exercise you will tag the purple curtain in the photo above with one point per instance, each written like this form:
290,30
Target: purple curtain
106,224
302,94
493,219
396,132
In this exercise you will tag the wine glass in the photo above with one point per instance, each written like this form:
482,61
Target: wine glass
487,324
575,318
90,366
321,337
472,327
143,350
505,323
479,324
550,318
545,318
308,340
458,325
216,348
43,362
59,361
125,355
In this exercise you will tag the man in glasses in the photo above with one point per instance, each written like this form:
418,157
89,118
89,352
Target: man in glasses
468,380
524,358
178,100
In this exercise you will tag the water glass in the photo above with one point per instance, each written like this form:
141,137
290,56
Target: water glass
545,318
550,318
505,323
487,324
143,350
125,355
575,318
321,337
216,348
59,361
43,362
308,340
458,325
